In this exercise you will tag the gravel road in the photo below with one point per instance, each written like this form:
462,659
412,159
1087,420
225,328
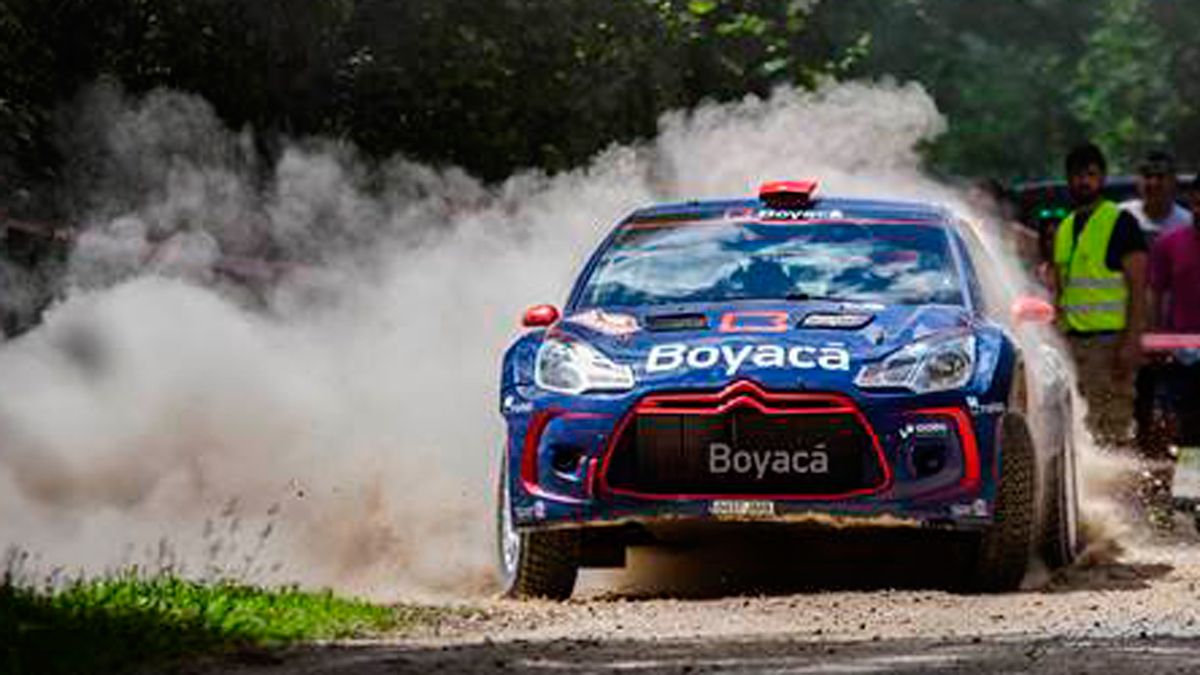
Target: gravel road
1133,611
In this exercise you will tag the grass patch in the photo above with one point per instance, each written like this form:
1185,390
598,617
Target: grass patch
129,621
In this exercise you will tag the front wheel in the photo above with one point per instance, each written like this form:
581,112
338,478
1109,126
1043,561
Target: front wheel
1061,541
539,564
1002,551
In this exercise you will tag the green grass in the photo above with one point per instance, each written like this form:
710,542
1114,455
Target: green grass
128,622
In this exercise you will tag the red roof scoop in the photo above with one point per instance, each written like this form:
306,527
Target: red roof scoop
787,192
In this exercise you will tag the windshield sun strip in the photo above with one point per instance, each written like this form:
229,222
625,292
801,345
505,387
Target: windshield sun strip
653,225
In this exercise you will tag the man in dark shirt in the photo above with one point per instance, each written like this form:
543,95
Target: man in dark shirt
1127,238
1100,258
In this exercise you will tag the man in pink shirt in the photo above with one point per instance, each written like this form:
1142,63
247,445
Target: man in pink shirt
1175,307
1175,276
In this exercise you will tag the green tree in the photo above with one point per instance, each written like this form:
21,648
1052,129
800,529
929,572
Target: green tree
997,70
25,68
1122,90
493,85
1179,23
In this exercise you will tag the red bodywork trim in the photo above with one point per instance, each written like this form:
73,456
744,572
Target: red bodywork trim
966,432
589,484
529,452
746,394
533,437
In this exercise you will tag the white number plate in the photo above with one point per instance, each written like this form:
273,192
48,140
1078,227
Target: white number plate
742,508
1187,474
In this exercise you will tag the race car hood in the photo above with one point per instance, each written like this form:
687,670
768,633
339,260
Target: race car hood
813,344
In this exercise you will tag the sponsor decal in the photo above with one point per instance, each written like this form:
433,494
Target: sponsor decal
836,320
535,512
723,459
514,406
732,357
978,508
925,430
993,408
607,323
742,508
799,214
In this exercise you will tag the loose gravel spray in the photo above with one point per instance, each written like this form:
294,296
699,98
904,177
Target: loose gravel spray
288,373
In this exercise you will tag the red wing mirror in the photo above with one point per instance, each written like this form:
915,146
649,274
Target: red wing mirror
539,316
1030,309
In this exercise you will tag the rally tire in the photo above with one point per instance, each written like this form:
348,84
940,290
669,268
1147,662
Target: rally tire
548,567
534,564
1002,551
1060,526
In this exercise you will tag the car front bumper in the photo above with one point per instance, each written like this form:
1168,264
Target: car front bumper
561,449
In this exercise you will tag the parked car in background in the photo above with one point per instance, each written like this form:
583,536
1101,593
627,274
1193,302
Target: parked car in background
1041,205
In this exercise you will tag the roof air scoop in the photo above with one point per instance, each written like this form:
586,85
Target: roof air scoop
787,193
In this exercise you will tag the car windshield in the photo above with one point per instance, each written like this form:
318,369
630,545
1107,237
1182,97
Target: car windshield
719,261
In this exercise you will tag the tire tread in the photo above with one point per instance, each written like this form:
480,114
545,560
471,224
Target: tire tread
1002,557
1055,547
549,565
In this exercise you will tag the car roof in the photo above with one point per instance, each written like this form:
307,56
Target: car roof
821,208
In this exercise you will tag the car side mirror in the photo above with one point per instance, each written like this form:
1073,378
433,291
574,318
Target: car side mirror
539,316
1029,309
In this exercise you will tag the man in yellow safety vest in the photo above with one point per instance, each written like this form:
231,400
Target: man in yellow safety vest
1100,258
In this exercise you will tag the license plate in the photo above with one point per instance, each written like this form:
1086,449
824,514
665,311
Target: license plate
1187,474
742,508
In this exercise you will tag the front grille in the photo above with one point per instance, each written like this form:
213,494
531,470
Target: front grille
746,442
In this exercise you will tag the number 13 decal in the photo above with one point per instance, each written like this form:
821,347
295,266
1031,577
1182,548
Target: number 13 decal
754,322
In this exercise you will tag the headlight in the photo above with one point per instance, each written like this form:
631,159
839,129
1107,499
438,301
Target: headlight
936,364
573,367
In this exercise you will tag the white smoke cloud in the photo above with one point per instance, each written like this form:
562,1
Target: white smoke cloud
345,397
857,138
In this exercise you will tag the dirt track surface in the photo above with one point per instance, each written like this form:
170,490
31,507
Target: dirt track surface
1139,612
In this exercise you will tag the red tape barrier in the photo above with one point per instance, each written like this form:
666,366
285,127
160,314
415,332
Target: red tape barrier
1165,342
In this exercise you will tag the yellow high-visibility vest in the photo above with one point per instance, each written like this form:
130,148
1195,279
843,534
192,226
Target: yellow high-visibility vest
1093,298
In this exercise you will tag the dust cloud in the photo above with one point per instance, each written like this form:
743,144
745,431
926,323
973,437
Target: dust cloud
289,373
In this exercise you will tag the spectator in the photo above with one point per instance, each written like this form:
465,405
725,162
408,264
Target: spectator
1175,304
1157,212
1100,283
1156,209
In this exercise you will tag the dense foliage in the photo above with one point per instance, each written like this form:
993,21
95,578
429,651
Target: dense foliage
497,85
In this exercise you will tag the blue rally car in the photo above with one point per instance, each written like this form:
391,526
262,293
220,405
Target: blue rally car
776,359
